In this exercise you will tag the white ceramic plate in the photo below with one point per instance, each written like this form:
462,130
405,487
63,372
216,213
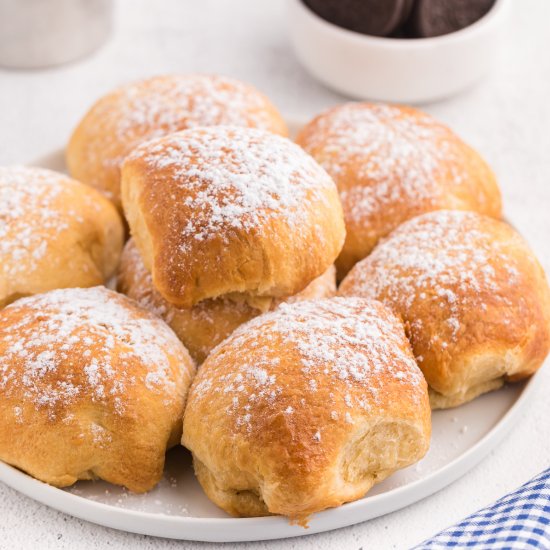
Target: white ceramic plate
177,508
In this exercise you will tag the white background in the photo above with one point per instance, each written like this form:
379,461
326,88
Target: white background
506,117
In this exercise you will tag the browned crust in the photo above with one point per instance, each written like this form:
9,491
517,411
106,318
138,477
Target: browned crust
272,258
458,178
93,431
261,455
75,241
500,327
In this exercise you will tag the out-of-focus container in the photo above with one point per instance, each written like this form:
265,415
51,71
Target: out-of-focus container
42,33
401,70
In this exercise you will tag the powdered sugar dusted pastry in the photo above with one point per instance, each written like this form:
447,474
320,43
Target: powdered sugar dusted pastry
392,163
161,105
230,211
91,386
305,408
55,232
474,299
205,325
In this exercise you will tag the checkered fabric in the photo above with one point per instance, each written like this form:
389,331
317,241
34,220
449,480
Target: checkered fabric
518,520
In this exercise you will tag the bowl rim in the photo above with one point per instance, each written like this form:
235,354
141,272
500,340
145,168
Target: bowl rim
496,10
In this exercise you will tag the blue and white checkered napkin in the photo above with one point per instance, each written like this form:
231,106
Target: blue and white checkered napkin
518,520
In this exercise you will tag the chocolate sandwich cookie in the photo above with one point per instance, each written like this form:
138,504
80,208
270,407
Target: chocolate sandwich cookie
437,17
373,17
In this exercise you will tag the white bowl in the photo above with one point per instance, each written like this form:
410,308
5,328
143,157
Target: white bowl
395,69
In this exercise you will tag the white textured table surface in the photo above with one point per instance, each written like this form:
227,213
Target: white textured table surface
507,117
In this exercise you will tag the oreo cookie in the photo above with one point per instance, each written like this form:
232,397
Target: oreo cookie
438,17
373,17
401,18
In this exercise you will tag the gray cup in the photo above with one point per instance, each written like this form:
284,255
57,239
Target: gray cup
42,33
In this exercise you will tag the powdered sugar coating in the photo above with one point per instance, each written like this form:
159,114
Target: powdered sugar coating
160,104
92,345
400,156
236,178
33,215
165,104
392,163
449,261
349,349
